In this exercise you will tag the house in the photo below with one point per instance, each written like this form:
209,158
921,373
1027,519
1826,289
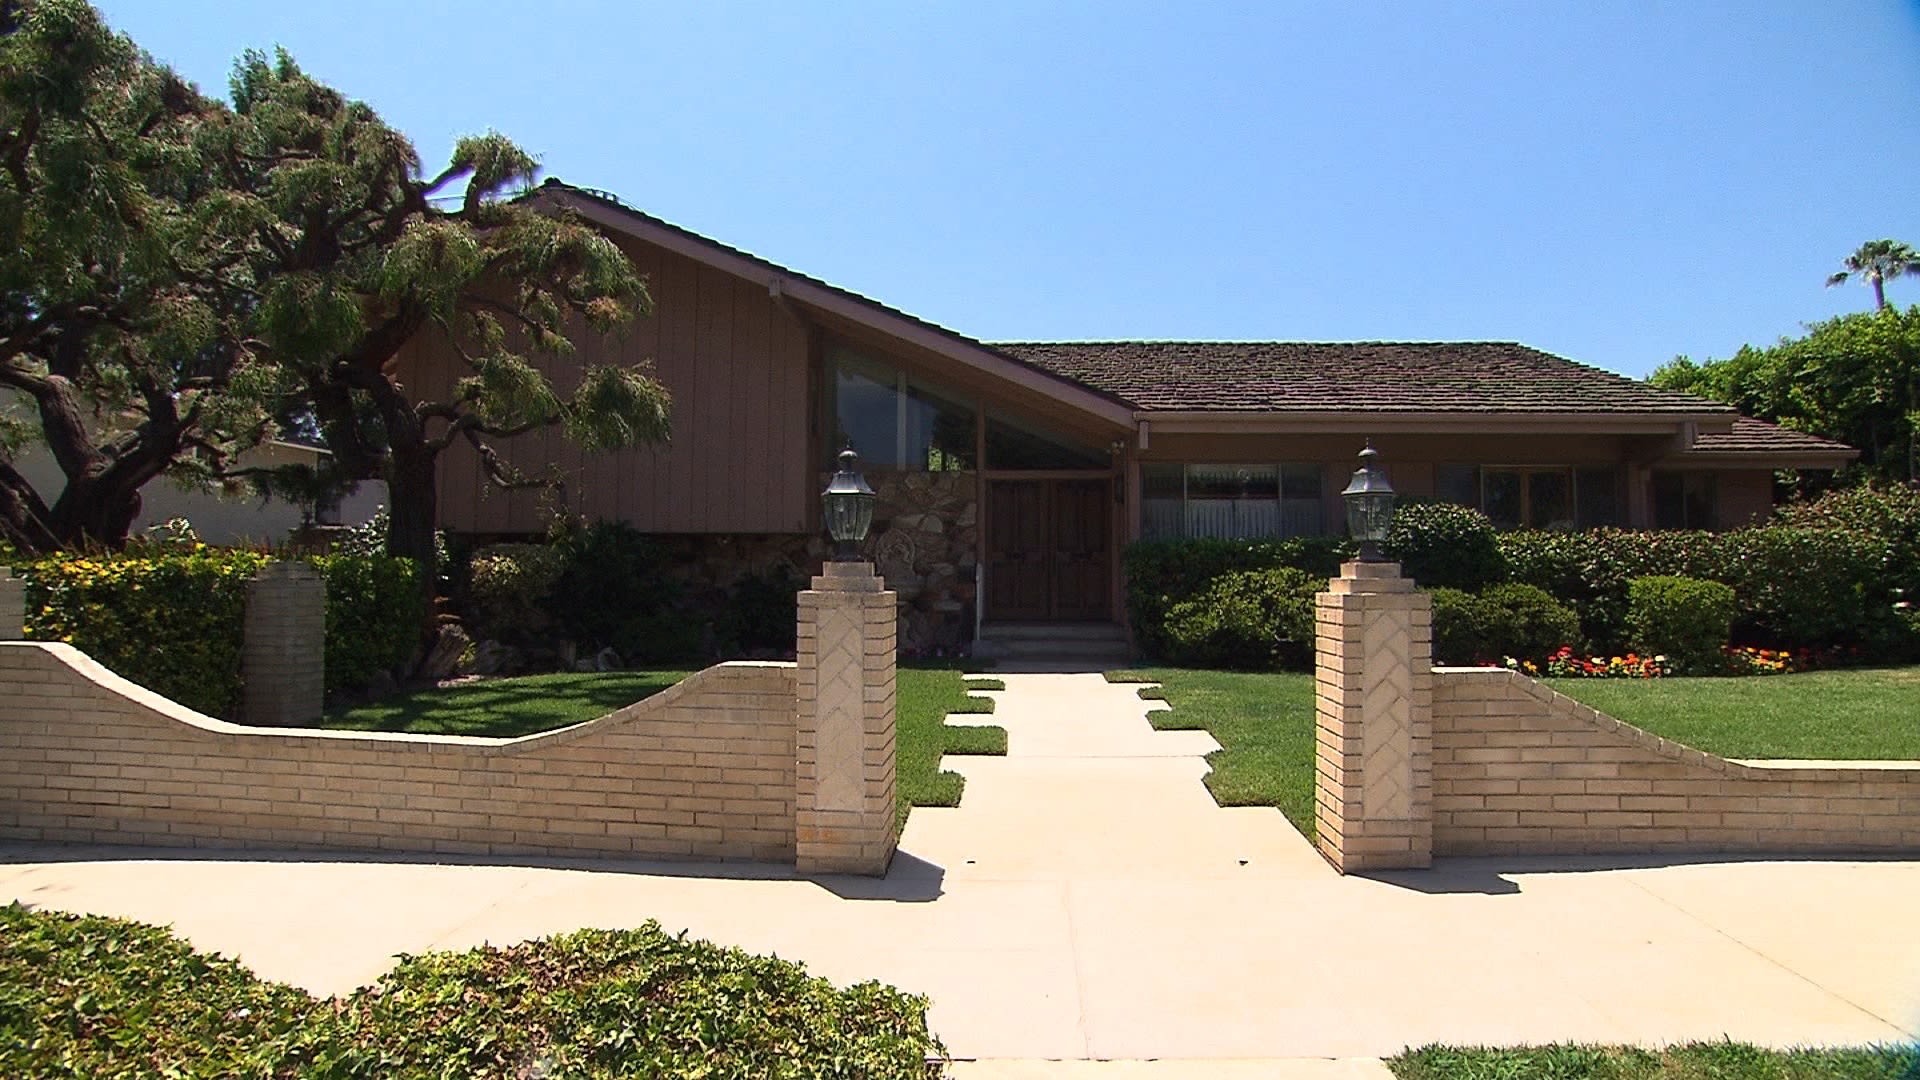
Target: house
225,518
1012,474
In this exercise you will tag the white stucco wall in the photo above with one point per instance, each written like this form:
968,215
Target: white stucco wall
217,519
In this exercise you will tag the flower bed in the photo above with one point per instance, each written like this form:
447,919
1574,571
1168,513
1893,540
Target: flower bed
1564,663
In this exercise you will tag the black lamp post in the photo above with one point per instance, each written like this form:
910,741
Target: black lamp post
1369,505
849,506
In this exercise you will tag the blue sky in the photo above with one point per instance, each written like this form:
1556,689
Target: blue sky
1614,181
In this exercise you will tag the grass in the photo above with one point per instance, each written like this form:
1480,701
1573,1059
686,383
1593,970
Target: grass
1263,723
1859,713
1693,1061
505,708
924,698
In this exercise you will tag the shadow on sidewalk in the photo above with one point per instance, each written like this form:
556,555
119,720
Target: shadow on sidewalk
909,879
1492,875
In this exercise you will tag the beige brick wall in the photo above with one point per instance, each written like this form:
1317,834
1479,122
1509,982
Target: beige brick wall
1373,735
702,770
1519,768
845,686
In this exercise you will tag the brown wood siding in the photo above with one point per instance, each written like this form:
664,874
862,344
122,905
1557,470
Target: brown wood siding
736,364
1745,496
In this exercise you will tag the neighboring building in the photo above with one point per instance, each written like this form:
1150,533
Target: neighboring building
224,519
1013,474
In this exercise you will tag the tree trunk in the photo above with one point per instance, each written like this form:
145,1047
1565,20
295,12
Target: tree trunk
412,504
1879,293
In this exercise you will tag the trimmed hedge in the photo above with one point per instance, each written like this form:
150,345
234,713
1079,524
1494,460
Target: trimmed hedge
1687,620
1842,573
171,622
175,622
1793,587
1443,546
1499,622
92,996
1252,620
376,606
1162,573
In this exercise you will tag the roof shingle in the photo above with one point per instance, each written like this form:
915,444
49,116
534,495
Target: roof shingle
1361,376
1750,436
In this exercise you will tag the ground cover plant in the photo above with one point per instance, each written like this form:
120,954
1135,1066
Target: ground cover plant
1860,713
90,997
1263,722
506,708
1691,1061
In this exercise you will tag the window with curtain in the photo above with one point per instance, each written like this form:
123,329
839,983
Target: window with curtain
1231,502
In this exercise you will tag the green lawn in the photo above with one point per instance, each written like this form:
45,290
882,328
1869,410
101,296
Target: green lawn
1263,723
505,708
1694,1061
1861,713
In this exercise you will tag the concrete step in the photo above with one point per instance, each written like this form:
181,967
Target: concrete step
1056,648
1074,631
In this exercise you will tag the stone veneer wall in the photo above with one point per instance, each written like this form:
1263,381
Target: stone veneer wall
926,544
705,769
1521,769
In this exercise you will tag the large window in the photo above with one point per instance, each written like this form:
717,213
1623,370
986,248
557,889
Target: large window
896,421
1550,497
1012,446
1685,500
1231,501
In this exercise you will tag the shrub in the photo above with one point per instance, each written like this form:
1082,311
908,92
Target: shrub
1792,586
1524,621
509,590
760,612
1458,638
1251,620
1441,545
1890,514
376,610
613,590
173,623
176,622
1685,619
1505,621
1162,573
91,996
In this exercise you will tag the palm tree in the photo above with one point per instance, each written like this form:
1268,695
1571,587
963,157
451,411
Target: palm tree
1879,261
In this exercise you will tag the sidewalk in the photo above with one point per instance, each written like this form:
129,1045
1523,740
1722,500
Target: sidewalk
1088,900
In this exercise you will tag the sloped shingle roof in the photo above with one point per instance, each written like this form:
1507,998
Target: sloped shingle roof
1750,436
1368,376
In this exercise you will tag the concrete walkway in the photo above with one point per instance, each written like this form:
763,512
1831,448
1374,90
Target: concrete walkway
1088,900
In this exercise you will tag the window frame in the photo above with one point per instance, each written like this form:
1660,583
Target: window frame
1526,473
1279,500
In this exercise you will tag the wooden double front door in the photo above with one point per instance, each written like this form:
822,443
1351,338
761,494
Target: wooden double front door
1049,549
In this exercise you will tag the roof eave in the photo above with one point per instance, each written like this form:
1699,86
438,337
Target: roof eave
845,304
1767,459
1224,421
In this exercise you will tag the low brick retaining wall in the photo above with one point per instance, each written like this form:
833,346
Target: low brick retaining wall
705,769
1521,769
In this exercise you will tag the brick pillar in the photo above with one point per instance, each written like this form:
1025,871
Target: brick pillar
844,806
283,662
13,606
1373,676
